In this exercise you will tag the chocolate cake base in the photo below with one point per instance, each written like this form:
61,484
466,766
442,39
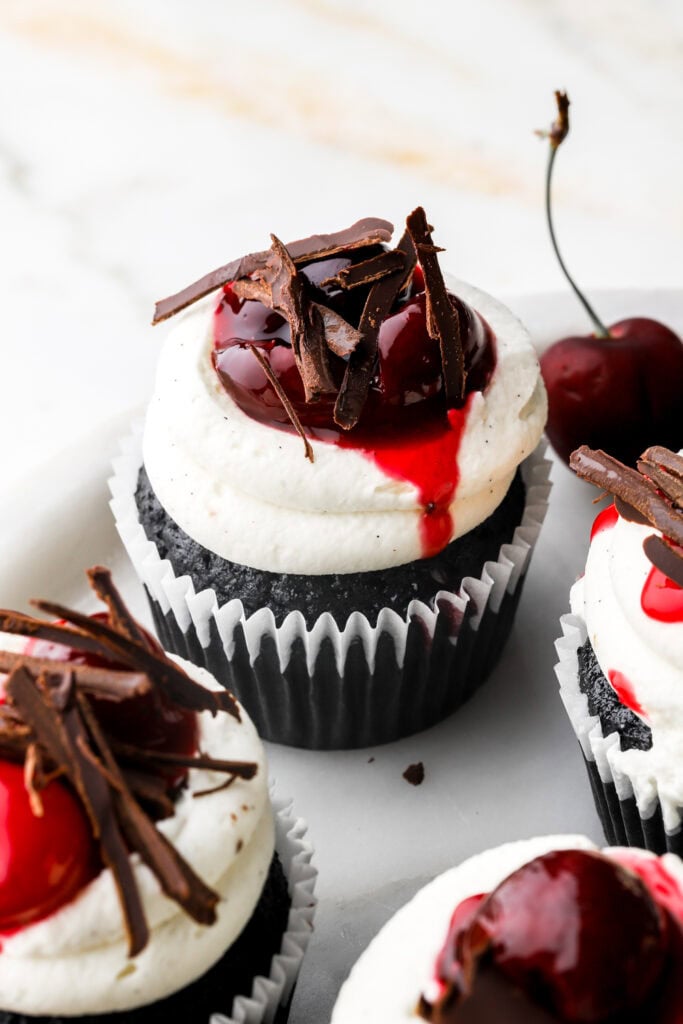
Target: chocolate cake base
621,820
338,594
215,991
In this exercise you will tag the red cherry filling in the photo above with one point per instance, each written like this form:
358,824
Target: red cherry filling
44,861
573,932
150,721
662,598
407,389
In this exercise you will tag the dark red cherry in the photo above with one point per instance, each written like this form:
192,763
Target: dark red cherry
577,932
620,388
151,721
620,393
44,861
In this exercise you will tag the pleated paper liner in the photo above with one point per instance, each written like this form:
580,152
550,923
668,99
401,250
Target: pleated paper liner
647,823
327,686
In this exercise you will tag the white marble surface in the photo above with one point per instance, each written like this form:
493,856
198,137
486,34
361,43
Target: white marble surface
143,143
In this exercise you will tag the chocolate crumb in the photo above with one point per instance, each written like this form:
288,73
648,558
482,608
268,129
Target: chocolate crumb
370,760
415,773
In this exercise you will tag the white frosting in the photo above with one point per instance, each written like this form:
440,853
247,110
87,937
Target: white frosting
649,653
398,965
75,961
245,491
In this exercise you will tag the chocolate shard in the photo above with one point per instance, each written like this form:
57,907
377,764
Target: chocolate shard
38,629
151,790
63,736
289,299
160,669
101,682
242,769
176,877
630,486
282,395
664,557
119,615
665,469
370,270
256,291
340,336
361,365
629,513
443,322
368,231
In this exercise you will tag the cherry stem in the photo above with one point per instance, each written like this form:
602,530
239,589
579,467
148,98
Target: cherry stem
600,329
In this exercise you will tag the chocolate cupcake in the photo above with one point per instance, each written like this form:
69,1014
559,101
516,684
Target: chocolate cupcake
146,876
534,932
621,656
336,498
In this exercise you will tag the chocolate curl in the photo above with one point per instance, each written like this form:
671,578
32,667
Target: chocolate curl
282,395
120,617
340,337
242,769
664,557
63,736
288,298
630,486
176,877
160,669
374,269
665,469
100,682
368,231
443,322
361,365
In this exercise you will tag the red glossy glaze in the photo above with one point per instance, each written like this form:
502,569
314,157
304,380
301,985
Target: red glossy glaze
578,934
624,690
661,598
621,393
605,520
151,721
44,861
405,427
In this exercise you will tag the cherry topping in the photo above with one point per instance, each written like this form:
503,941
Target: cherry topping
605,520
150,721
662,598
577,933
619,388
408,370
44,861
625,691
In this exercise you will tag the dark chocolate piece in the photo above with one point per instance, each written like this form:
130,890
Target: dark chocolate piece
119,615
415,774
161,670
665,469
241,769
106,683
282,395
63,736
629,485
370,270
340,336
361,365
628,512
665,558
443,322
368,231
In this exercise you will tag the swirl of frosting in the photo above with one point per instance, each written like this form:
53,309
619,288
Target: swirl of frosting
641,654
243,490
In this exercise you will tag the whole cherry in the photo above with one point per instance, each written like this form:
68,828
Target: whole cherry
619,388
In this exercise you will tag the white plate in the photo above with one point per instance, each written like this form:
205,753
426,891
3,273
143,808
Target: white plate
506,766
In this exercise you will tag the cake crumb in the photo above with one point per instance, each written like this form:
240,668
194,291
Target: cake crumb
370,760
415,773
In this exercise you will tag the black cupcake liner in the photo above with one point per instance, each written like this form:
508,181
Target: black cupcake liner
623,821
325,686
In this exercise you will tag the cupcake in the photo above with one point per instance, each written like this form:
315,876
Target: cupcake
335,499
621,656
145,874
533,932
